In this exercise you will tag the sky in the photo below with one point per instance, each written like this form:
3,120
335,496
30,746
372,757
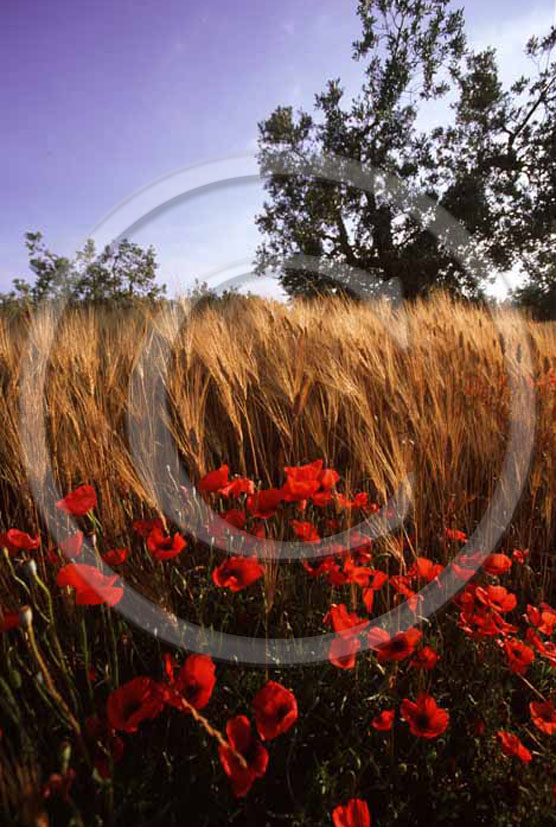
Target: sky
101,99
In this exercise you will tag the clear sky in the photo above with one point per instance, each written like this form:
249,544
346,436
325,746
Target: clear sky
100,98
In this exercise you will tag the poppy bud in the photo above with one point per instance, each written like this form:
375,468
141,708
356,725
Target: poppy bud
25,617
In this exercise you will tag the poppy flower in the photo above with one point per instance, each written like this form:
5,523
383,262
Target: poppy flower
328,478
321,499
497,564
425,569
195,682
455,535
384,721
543,716
71,546
543,618
164,546
239,485
353,814
512,746
399,647
424,658
275,710
138,700
236,573
235,517
241,740
263,504
302,481
115,557
305,531
496,597
520,656
144,527
214,481
9,620
425,718
78,502
92,587
15,540
343,651
520,555
346,624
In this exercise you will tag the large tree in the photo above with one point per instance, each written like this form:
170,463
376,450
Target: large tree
491,164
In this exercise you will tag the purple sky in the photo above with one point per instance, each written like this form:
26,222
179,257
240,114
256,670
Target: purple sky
100,98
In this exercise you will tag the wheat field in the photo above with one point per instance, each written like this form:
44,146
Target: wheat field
376,391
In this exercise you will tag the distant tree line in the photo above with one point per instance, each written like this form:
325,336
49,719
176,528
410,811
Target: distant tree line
123,273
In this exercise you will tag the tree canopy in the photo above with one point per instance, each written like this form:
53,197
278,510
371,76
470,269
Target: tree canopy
491,164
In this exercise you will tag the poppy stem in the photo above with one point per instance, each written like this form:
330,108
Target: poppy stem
72,720
532,688
207,726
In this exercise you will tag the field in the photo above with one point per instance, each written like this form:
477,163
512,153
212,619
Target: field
293,424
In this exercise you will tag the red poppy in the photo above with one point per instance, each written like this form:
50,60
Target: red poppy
543,716
456,535
275,710
71,546
302,481
78,502
346,624
137,700
343,651
263,504
384,721
236,573
359,501
425,569
543,618
241,740
235,517
497,564
239,485
144,527
92,587
496,597
353,814
195,682
520,555
305,531
164,546
399,647
15,540
322,498
328,478
214,481
424,658
356,574
512,746
425,718
115,557
9,620
520,656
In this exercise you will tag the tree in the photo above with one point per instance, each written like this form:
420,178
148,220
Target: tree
121,273
489,167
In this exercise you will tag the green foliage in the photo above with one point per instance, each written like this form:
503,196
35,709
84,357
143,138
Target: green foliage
493,167
121,273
